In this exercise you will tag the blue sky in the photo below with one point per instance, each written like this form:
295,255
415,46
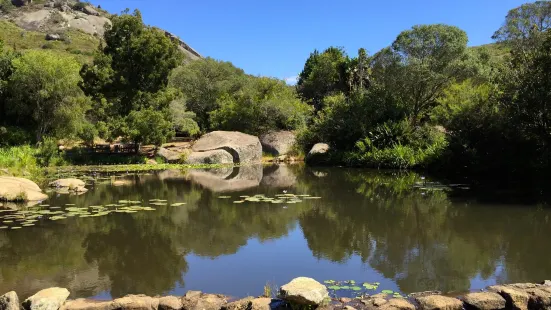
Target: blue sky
274,37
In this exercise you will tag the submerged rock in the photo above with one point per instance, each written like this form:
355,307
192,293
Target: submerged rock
136,302
19,189
318,155
484,301
304,291
9,301
438,302
278,142
244,148
47,299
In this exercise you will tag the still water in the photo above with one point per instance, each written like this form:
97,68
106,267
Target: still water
368,226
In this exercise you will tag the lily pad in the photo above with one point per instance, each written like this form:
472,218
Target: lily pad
224,197
334,287
178,204
329,281
16,227
4,227
387,291
356,288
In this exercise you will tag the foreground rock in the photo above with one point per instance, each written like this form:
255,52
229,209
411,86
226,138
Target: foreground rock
318,155
88,304
242,147
397,304
515,299
48,299
9,301
304,291
437,302
136,302
210,157
170,303
278,143
19,189
195,300
484,301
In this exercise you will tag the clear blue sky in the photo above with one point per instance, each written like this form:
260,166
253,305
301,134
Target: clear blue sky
274,37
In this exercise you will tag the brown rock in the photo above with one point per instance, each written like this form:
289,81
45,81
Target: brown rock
345,300
241,304
304,291
349,308
484,301
539,298
9,301
262,303
438,302
397,304
87,304
170,303
377,302
47,299
194,300
136,302
514,298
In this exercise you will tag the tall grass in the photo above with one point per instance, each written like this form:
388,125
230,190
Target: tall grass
19,160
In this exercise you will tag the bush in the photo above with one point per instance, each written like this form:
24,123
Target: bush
88,133
48,153
11,136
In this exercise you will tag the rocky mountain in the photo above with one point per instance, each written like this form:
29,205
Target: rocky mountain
68,26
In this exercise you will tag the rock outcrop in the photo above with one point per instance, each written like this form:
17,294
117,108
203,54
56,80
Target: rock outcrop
318,155
20,189
210,157
195,300
136,302
243,148
9,301
47,299
169,156
88,304
278,143
304,291
438,302
484,301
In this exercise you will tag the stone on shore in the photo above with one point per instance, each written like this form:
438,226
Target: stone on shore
67,183
210,157
195,300
515,298
304,291
397,304
9,301
241,304
88,304
136,302
170,303
278,143
169,156
20,189
244,148
484,301
318,155
438,302
47,299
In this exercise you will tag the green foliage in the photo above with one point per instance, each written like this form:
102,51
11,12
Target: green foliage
19,159
48,153
44,95
149,127
523,20
12,136
264,104
183,120
88,133
203,82
6,6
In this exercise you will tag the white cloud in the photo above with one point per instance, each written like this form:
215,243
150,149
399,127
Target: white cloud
292,80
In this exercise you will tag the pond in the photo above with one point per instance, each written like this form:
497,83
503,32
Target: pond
234,230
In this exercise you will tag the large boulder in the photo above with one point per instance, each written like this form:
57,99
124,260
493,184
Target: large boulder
515,298
278,142
318,155
136,302
304,291
210,157
169,156
484,301
19,189
88,304
170,303
439,302
243,148
9,301
90,10
47,299
195,300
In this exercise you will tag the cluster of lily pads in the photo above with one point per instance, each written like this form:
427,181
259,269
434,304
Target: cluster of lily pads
280,198
18,219
350,285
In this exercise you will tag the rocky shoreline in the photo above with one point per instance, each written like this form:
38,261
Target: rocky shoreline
300,293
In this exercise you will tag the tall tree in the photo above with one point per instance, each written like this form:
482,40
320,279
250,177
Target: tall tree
323,74
521,21
420,64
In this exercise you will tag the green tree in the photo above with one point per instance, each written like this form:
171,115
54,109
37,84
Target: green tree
264,104
203,82
149,127
44,94
323,74
420,64
182,120
521,21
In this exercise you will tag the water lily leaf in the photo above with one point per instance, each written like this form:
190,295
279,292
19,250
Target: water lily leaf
345,287
369,286
224,197
387,292
3,227
356,288
329,281
239,201
334,287
9,221
16,227
28,225
69,204
377,283
178,204
56,218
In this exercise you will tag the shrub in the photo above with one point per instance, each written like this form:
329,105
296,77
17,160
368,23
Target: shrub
48,153
11,136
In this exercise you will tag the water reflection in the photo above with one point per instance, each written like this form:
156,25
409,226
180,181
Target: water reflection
368,226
